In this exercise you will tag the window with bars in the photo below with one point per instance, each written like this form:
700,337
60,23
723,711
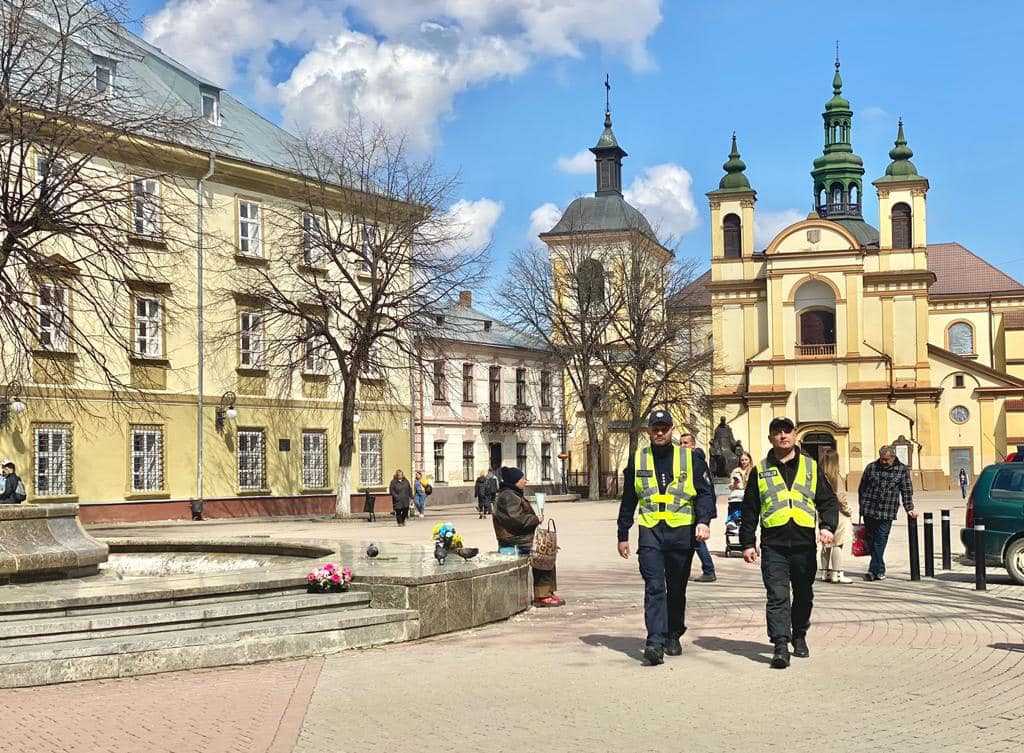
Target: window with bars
252,460
52,460
468,466
250,339
439,461
521,456
467,383
371,458
545,389
314,459
147,458
146,206
520,386
249,241
440,388
52,310
148,326
545,461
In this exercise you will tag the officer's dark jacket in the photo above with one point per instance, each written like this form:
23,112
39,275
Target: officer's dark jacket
703,507
790,534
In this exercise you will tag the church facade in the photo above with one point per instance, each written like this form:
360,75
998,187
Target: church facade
864,336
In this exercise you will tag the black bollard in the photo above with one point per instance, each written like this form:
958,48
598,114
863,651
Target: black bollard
947,557
929,546
979,557
915,551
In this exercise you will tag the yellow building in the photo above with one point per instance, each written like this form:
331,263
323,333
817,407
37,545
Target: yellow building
863,336
216,420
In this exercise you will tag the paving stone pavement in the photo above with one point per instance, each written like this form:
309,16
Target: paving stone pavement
895,666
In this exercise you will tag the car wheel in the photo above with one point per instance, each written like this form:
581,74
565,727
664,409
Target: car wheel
1015,561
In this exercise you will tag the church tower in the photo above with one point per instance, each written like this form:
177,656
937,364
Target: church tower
902,209
838,173
732,211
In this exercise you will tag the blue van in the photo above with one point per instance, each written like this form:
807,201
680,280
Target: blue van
997,501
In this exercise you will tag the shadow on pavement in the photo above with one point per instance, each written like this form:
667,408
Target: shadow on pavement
756,652
630,646
1014,647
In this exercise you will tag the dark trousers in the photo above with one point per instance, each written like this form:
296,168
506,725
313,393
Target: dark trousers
401,513
784,570
545,583
707,565
877,531
665,560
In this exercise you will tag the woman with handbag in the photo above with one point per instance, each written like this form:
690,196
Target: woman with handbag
515,524
832,556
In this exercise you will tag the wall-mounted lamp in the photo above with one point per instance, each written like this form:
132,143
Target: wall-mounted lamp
11,404
355,418
226,411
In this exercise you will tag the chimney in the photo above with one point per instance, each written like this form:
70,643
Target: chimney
466,298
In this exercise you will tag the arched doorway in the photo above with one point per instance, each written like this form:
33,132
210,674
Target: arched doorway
816,441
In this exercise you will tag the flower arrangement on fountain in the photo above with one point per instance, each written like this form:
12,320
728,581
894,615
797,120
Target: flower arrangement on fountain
446,539
328,578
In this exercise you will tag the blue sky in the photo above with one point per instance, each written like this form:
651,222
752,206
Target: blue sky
500,91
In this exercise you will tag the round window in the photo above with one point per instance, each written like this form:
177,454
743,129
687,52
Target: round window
959,414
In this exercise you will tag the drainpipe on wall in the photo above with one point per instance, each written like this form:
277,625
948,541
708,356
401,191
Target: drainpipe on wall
991,343
890,404
200,327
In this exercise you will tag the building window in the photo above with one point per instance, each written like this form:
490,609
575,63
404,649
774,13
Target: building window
467,383
147,458
520,387
731,230
146,207
545,461
54,324
591,285
545,389
439,461
252,465
959,414
366,244
313,252
249,229
104,79
53,460
314,460
494,385
958,380
51,183
901,232
315,361
371,458
468,466
250,339
211,109
961,338
818,327
440,394
148,328
521,456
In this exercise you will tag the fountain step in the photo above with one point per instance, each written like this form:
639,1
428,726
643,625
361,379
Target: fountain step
197,646
197,613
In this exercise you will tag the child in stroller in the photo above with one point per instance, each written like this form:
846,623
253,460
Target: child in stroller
732,519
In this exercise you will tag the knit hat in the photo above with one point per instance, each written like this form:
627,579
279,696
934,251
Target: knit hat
511,476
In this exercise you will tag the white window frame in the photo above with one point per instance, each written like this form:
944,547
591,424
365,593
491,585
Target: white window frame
440,473
148,326
369,235
468,461
313,253
53,336
524,458
314,459
371,458
250,230
250,339
314,361
545,461
212,117
252,460
52,467
146,211
147,453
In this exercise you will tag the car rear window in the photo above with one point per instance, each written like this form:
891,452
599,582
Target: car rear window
1009,480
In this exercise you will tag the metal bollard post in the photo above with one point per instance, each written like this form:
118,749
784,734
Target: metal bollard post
947,561
979,557
929,546
915,551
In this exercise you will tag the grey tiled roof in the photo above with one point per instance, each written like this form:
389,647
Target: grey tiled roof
466,324
608,213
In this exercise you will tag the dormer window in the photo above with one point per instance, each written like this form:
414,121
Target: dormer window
211,108
104,79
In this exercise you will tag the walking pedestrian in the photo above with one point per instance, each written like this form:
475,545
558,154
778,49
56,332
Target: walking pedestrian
514,524
482,494
963,483
885,483
832,555
667,487
401,496
12,488
707,565
420,494
786,495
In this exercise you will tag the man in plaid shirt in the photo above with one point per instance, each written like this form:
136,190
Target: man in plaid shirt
884,482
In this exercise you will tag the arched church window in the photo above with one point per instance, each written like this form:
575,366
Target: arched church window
818,327
591,284
854,195
960,338
815,305
822,197
731,229
837,195
901,233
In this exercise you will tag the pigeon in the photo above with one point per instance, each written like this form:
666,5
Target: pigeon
441,551
372,551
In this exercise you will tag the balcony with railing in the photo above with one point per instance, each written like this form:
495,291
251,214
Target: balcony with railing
507,418
839,209
818,350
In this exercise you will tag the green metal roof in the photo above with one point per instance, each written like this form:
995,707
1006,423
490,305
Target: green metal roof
866,235
734,181
901,168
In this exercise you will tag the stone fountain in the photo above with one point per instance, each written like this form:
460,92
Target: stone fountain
46,542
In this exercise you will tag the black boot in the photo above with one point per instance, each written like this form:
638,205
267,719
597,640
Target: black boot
800,647
673,647
654,655
780,659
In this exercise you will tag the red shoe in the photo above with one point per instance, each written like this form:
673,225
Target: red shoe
548,601
559,599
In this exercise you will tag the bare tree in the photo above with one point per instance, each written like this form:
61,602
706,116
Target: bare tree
369,258
86,204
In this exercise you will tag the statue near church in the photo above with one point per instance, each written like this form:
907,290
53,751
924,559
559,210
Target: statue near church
724,451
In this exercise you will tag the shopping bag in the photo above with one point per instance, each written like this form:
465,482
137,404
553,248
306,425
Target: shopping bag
860,541
545,546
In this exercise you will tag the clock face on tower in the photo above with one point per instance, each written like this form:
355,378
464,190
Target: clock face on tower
959,414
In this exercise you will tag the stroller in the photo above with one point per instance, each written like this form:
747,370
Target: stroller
732,523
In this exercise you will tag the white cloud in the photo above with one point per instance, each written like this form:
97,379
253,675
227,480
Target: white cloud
580,163
543,218
875,113
768,224
474,221
664,193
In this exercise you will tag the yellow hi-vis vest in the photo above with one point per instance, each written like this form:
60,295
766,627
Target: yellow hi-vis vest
675,506
780,504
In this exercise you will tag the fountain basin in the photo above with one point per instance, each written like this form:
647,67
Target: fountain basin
46,542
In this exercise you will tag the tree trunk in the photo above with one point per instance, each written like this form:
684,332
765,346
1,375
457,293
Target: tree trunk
346,448
593,459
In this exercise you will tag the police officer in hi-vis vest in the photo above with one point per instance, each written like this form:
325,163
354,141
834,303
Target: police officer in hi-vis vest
667,487
789,497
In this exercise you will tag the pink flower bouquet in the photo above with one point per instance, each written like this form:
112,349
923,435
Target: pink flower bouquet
328,578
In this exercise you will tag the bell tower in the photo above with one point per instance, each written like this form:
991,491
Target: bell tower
902,194
838,173
732,211
608,154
